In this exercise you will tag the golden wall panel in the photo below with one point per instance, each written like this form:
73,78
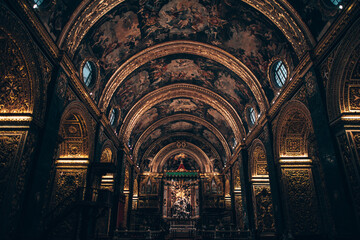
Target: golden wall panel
301,200
15,82
354,97
236,176
67,181
239,211
264,214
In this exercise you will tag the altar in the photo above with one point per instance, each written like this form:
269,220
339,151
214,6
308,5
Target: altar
181,200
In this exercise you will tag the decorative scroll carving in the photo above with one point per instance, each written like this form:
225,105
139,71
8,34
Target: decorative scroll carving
354,97
15,83
265,221
293,145
301,198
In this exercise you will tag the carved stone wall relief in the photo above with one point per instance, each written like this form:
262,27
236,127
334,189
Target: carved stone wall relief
301,200
263,208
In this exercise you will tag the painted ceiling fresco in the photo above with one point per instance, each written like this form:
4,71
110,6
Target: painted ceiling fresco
186,128
159,142
185,69
228,24
182,105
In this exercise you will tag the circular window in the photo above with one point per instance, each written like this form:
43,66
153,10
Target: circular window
112,116
89,73
279,73
251,116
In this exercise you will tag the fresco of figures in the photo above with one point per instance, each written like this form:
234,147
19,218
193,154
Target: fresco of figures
183,69
182,105
227,24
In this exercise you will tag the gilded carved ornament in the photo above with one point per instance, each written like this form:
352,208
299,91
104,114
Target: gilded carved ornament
182,117
342,87
186,47
263,206
181,90
15,78
301,198
257,158
293,126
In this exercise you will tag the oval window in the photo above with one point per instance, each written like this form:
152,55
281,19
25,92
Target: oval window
112,116
37,3
279,73
88,73
251,116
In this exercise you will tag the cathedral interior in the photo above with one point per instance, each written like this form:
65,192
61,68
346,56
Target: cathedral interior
179,119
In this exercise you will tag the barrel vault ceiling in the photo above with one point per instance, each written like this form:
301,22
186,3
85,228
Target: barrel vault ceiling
181,74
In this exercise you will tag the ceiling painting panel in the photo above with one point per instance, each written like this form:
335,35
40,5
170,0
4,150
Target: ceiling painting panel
183,68
228,24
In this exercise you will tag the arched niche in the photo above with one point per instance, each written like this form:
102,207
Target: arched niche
260,188
294,127
75,137
108,153
343,90
74,152
22,71
258,160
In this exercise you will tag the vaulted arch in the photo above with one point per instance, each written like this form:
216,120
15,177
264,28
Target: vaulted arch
187,148
293,128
